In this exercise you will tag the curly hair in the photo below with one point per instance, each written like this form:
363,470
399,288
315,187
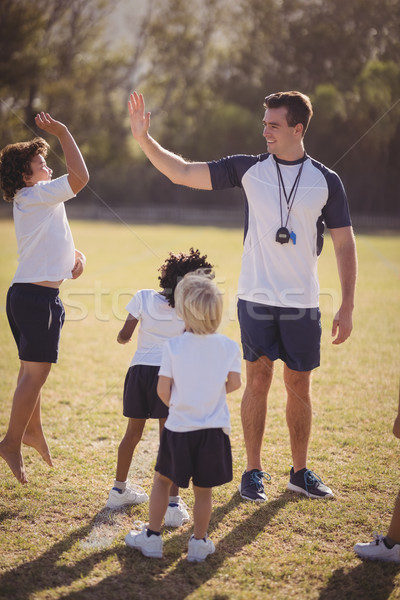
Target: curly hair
15,162
175,268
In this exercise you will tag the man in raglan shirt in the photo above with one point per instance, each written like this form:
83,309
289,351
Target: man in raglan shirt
289,198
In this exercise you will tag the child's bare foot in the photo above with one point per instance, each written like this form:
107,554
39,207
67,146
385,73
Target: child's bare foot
14,461
38,442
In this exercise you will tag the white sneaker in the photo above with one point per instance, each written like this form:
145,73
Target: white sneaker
117,499
149,546
377,550
198,550
176,514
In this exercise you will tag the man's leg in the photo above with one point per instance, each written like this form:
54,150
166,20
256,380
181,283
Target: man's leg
298,414
254,408
299,417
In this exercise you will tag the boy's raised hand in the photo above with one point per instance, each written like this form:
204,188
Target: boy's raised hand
45,121
140,120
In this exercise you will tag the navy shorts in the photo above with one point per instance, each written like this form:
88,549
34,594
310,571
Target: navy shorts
291,334
140,394
203,455
36,315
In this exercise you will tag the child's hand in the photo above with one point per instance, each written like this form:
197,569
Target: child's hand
46,122
122,340
80,262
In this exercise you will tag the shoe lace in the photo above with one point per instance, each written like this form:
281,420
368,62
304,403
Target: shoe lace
256,478
310,479
378,537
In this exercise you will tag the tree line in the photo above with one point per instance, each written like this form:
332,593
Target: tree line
205,68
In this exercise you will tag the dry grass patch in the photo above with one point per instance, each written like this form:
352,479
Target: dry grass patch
57,540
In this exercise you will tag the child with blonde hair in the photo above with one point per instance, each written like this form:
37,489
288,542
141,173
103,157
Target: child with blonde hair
153,311
198,369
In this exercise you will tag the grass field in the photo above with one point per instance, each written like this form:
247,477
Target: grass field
57,540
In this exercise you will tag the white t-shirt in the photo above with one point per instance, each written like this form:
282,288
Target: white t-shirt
158,323
199,366
282,274
45,246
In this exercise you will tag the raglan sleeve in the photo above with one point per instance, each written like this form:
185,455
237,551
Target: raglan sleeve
228,172
336,212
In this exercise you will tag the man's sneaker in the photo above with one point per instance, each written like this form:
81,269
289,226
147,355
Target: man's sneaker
176,514
251,487
148,545
377,550
198,550
118,498
308,483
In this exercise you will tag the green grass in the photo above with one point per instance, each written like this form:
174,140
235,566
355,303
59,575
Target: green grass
57,541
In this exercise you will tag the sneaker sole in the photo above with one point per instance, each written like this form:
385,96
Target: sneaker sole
197,559
300,490
175,523
393,560
259,500
147,553
115,506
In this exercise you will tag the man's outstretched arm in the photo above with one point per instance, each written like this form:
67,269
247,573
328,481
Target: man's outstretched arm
195,175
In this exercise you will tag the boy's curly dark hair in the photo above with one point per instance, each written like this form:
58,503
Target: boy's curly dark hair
176,266
15,162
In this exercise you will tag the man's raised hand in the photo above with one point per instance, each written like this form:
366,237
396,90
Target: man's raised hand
140,120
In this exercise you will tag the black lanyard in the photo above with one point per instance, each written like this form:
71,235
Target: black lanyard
290,200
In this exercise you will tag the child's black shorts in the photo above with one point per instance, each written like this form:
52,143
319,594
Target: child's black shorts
36,315
203,455
140,394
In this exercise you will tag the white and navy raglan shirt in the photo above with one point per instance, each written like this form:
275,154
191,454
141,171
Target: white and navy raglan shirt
277,274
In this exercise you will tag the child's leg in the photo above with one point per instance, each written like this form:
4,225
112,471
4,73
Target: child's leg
158,501
174,490
127,446
394,529
34,435
201,510
30,382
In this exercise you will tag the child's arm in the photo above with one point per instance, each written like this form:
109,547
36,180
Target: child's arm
164,388
126,332
396,425
80,262
233,382
78,175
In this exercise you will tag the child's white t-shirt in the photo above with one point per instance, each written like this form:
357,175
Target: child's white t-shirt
45,245
158,323
199,366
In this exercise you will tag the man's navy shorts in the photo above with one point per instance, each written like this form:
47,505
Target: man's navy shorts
291,334
141,400
203,455
36,315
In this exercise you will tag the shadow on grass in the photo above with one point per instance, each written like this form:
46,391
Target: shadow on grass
138,577
370,580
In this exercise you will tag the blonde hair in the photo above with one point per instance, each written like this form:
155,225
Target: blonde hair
199,303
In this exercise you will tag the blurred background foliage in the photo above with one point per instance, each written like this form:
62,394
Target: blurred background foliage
205,67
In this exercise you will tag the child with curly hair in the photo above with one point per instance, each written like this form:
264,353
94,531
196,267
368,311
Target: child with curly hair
47,256
155,310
